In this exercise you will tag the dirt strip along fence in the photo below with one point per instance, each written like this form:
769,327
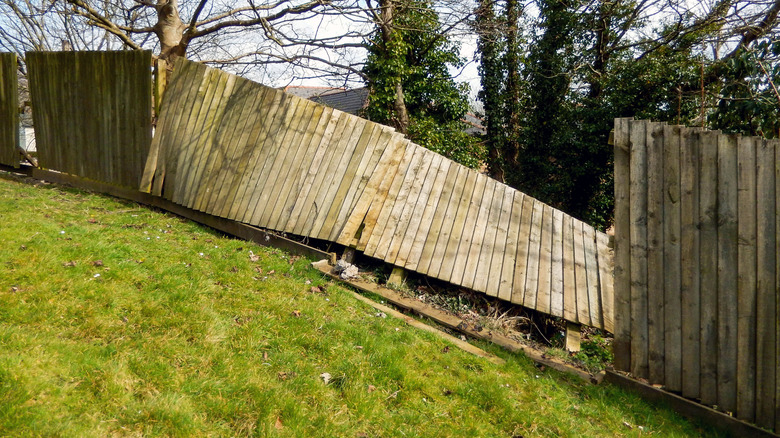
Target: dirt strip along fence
236,149
696,265
92,113
9,110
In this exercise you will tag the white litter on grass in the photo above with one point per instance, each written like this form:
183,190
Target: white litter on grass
62,232
96,276
345,270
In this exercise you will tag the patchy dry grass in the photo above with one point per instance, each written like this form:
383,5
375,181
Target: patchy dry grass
119,320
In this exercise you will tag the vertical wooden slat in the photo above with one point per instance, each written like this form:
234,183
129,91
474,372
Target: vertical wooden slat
496,269
727,272
776,145
708,259
595,307
766,292
481,195
523,242
556,267
580,275
481,225
484,269
451,244
531,287
544,276
421,182
438,258
672,301
622,305
510,253
638,247
606,260
419,225
385,207
746,280
689,261
9,110
655,252
436,231
569,280
408,188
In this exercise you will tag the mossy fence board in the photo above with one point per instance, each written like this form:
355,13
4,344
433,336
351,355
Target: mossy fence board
9,110
697,274
239,150
92,113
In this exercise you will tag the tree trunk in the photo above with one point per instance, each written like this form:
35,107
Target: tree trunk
512,92
170,30
386,25
489,34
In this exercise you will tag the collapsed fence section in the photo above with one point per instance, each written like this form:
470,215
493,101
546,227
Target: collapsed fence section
696,265
9,110
242,151
92,113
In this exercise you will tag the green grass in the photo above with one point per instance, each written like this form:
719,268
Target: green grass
116,320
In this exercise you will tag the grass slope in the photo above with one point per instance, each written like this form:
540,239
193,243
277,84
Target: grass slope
116,320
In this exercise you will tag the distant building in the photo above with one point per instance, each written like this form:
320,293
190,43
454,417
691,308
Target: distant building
355,100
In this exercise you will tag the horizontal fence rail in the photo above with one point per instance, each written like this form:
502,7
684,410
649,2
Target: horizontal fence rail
236,149
697,267
9,110
92,113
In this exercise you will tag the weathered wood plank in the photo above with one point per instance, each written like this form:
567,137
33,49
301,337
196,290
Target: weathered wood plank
595,306
197,186
727,272
236,168
638,247
363,216
279,172
556,265
510,252
766,292
386,204
534,249
419,186
606,260
437,218
420,223
323,153
544,272
467,233
708,260
185,106
443,237
478,236
262,203
521,259
622,305
655,252
9,110
344,151
463,203
569,278
672,300
580,275
689,262
746,280
375,150
494,272
361,155
405,191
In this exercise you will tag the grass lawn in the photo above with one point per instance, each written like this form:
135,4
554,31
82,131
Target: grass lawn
119,320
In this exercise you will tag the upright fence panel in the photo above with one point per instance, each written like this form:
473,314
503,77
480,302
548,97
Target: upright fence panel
697,284
92,113
9,110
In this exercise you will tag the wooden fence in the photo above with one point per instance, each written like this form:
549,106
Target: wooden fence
92,113
9,110
238,150
696,265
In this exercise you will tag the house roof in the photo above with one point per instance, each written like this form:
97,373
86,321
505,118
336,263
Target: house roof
307,92
349,101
